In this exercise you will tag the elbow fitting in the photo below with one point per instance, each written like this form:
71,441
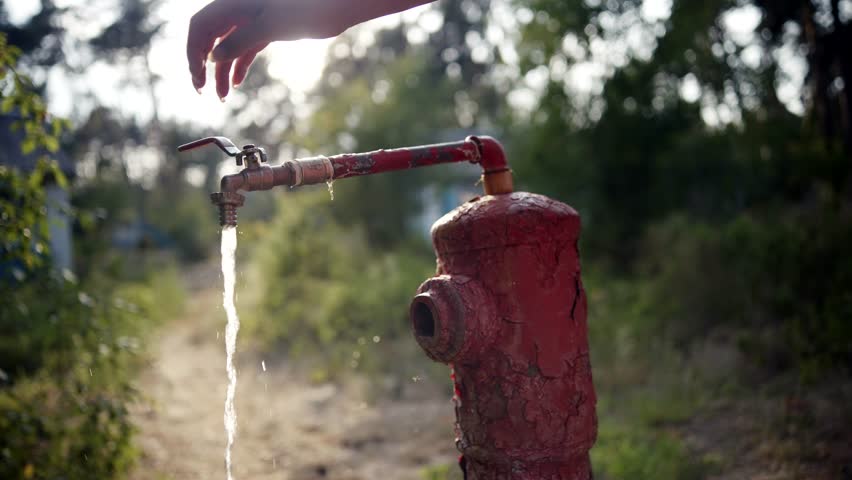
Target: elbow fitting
496,174
452,318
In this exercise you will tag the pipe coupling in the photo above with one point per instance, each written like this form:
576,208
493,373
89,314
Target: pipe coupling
311,170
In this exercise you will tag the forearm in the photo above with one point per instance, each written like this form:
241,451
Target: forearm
363,11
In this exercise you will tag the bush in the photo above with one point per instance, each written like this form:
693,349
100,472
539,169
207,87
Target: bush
67,357
323,286
67,352
780,281
70,426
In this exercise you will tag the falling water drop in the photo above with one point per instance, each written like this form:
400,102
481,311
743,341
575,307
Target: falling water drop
263,364
330,184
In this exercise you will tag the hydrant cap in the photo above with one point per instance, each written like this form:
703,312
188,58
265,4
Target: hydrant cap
496,221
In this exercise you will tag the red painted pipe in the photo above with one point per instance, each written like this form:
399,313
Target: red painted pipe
493,158
380,161
486,151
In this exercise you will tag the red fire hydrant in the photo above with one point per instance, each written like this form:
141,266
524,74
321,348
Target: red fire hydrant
506,310
507,313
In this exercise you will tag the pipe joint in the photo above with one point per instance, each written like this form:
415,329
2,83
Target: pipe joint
496,174
309,171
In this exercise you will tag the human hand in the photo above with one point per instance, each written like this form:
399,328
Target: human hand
245,27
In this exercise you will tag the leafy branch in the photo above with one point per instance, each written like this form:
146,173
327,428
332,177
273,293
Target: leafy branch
19,95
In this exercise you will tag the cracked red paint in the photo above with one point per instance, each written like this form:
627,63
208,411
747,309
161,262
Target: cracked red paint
509,317
379,161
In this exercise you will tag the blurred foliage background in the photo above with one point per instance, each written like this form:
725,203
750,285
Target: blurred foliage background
707,146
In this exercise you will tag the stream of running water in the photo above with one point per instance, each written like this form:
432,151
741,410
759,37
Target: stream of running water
229,248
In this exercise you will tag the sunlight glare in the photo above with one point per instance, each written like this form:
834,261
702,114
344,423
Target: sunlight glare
741,22
656,10
20,11
298,64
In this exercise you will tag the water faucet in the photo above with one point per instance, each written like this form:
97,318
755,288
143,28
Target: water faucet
228,199
257,175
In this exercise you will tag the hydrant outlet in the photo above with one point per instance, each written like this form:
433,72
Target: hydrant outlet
449,317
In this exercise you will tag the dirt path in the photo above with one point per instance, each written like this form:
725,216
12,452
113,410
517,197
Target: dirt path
288,428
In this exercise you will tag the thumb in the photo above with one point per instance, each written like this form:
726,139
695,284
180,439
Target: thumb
241,40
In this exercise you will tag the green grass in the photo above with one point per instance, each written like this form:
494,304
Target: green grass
625,450
446,471
645,388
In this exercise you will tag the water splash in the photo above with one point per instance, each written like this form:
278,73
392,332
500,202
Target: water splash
229,248
330,184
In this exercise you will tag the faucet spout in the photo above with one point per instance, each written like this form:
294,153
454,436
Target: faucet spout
232,183
228,202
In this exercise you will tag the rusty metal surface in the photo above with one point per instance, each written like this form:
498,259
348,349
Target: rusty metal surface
379,161
525,402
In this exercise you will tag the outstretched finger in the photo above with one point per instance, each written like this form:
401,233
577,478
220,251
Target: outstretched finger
211,22
223,73
242,64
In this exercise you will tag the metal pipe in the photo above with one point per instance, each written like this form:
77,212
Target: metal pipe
485,151
307,171
380,161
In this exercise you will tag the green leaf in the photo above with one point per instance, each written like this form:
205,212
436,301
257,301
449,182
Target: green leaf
51,143
28,145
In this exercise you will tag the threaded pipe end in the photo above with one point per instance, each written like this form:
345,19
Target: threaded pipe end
227,215
227,203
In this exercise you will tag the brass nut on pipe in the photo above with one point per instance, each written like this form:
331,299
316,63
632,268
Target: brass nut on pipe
497,183
309,171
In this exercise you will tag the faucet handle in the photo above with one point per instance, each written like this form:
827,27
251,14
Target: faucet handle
223,143
254,154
